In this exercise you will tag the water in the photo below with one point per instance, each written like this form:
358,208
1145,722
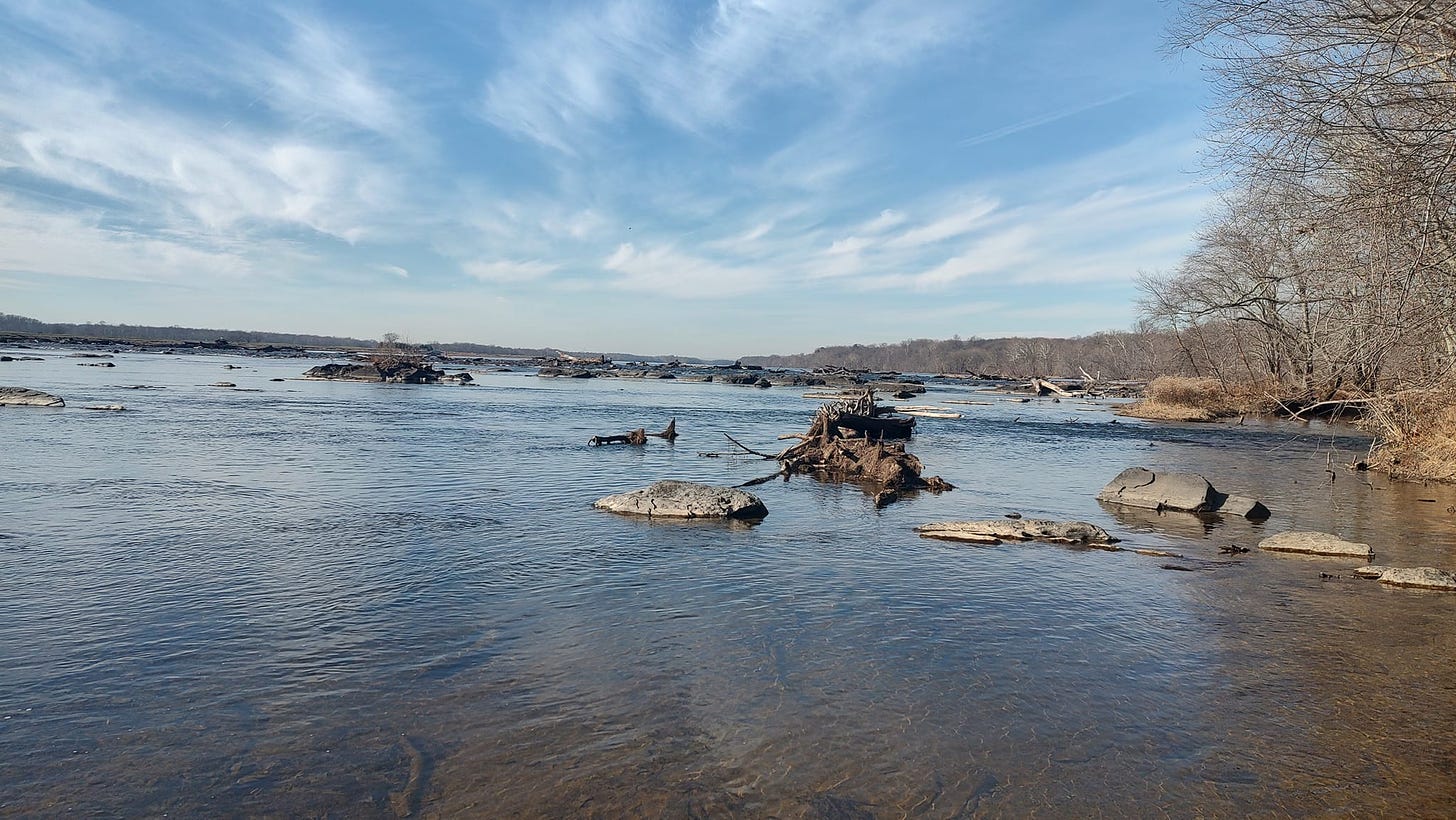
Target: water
315,598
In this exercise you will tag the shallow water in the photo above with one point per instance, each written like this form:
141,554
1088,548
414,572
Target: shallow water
367,600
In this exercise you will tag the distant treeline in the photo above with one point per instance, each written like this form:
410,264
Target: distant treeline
10,323
1139,354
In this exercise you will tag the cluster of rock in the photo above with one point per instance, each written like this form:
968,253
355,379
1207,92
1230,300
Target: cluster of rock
398,372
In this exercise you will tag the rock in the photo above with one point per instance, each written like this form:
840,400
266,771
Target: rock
1186,492
1316,543
222,384
1419,578
96,364
25,397
111,407
393,372
1029,529
685,499
1370,571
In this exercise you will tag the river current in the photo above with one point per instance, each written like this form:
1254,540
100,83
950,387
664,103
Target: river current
354,600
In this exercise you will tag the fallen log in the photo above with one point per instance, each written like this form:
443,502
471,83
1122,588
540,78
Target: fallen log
637,437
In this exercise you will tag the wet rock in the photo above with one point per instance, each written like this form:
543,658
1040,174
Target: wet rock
685,499
1185,492
25,397
1316,543
110,407
96,364
1030,529
1419,578
1370,571
222,384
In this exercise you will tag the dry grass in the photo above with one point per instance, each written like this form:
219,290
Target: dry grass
1417,432
1178,398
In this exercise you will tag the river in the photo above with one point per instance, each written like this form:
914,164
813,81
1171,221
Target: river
337,599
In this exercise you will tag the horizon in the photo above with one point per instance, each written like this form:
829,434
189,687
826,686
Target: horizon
626,175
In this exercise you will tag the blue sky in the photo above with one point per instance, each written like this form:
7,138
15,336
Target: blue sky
662,176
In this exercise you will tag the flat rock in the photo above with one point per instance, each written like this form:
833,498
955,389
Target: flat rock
25,397
1184,492
1141,487
992,531
1370,571
685,499
110,407
1419,578
1316,543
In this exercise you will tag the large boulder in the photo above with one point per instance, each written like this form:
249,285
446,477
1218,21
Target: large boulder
992,531
685,499
1186,492
25,397
1316,543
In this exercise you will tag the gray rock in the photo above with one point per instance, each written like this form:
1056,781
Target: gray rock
110,407
685,499
1419,578
25,397
1316,543
1029,529
1185,492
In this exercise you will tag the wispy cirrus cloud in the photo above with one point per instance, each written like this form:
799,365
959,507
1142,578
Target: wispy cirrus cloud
600,63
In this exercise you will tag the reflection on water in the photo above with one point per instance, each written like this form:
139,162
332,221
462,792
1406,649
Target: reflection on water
366,600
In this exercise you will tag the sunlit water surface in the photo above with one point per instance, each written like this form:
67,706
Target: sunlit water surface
335,599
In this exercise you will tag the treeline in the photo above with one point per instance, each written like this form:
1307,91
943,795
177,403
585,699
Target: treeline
1138,354
10,323
1328,274
102,330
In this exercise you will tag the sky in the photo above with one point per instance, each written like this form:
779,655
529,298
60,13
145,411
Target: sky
691,177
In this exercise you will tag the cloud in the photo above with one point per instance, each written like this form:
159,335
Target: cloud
81,245
601,62
394,270
668,272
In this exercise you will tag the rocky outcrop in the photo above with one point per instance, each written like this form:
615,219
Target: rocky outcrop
392,372
685,499
1316,543
25,397
993,531
1185,492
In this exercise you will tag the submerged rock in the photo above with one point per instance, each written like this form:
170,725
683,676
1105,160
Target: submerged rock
1316,543
1185,492
685,499
25,397
1030,529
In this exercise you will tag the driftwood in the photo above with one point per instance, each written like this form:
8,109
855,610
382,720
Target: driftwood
862,455
1042,387
636,437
